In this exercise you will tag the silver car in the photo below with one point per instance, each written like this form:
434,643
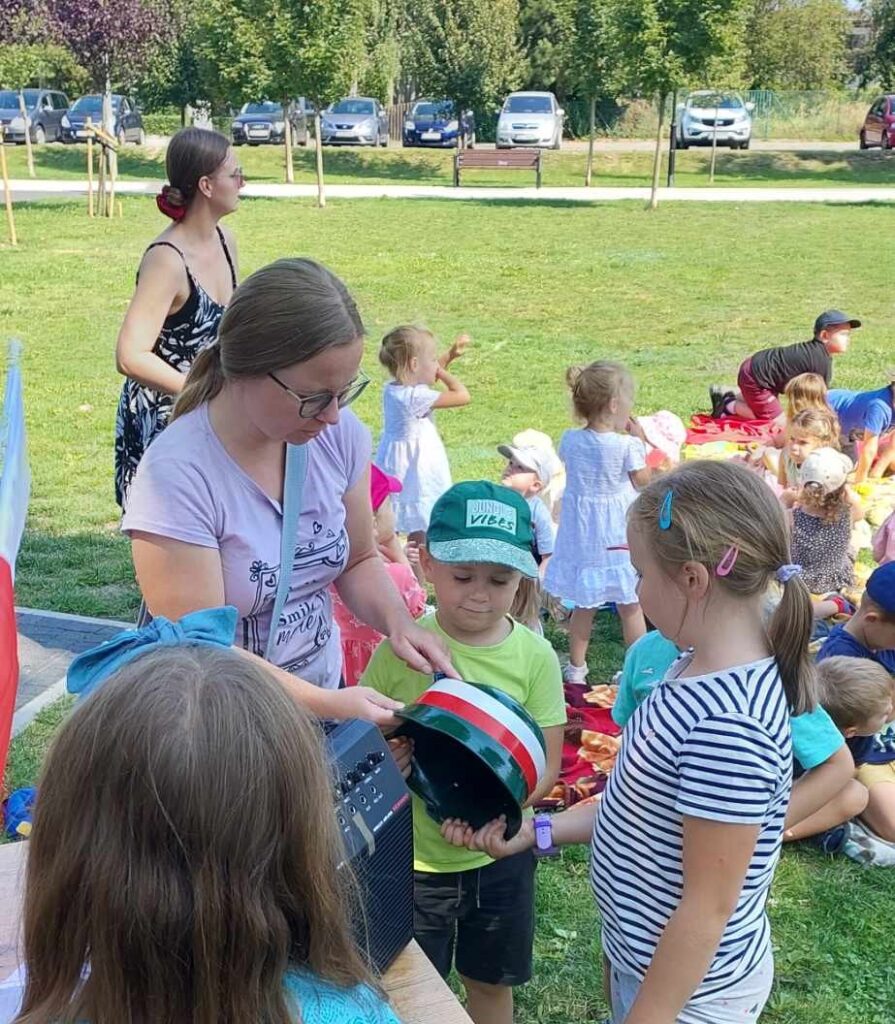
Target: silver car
530,119
709,112
354,121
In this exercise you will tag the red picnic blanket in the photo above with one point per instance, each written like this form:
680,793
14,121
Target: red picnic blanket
590,746
703,429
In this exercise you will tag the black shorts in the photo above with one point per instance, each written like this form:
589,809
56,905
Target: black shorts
486,915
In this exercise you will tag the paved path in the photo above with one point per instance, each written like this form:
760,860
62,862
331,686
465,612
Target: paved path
576,194
48,641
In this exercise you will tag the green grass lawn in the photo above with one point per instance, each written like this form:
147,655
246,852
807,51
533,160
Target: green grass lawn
680,295
433,167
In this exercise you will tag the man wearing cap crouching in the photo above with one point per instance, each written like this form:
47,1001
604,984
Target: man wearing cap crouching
468,909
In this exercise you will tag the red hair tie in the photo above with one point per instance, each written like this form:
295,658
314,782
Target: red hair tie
168,208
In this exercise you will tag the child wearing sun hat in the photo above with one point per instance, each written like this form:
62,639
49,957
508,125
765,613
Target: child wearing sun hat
469,910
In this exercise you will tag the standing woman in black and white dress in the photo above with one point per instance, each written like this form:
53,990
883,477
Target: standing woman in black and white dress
184,282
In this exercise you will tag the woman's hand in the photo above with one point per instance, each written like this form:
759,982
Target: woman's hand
402,752
362,702
420,649
489,838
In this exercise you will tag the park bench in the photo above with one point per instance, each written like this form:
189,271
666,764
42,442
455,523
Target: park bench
503,159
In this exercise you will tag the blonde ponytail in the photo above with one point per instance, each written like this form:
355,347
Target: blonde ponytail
789,632
204,381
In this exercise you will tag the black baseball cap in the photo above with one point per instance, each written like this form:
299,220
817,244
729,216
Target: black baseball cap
833,316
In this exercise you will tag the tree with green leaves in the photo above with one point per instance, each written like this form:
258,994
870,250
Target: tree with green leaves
882,47
281,50
547,33
798,44
590,69
662,46
174,79
465,50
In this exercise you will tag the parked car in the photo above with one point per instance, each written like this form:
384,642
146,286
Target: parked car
265,121
128,121
44,108
355,120
432,123
878,128
708,113
530,119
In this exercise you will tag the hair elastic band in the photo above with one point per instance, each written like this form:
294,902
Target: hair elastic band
728,561
665,511
786,572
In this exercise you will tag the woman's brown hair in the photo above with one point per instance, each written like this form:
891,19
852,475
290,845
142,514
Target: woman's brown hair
283,314
718,505
594,386
192,154
185,850
399,346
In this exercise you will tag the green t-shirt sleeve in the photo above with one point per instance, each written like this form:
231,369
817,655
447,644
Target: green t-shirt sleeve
815,738
379,673
546,702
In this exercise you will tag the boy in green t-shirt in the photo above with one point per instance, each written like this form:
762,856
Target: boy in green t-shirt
478,547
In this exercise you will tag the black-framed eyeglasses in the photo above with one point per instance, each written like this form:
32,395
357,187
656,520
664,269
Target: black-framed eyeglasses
311,406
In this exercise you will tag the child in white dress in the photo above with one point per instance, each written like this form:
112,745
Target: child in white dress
411,448
605,461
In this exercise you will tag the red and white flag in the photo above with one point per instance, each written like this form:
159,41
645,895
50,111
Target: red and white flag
15,486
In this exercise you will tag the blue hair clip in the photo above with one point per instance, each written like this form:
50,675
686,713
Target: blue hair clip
665,511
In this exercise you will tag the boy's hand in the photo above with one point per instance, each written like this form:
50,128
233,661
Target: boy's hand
402,752
489,838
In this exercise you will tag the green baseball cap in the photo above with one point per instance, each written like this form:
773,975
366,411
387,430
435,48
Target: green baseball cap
478,521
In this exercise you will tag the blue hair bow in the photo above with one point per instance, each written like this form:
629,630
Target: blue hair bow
215,627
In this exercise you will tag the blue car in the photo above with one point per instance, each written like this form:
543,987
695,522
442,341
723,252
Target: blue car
433,123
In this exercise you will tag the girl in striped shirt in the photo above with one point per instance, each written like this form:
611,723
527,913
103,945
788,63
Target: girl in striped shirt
689,829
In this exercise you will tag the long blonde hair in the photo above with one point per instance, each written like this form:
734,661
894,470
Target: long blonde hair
185,848
283,314
805,391
715,506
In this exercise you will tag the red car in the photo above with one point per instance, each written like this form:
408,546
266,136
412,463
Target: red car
879,124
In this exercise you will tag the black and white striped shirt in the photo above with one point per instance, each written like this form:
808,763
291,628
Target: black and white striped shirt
715,747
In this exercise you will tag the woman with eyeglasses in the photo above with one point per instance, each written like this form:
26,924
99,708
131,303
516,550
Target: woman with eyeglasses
205,513
184,282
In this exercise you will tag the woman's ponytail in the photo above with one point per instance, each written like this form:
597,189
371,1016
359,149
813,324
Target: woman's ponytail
204,381
789,633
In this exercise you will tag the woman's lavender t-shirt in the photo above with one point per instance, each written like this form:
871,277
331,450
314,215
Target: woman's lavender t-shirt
188,488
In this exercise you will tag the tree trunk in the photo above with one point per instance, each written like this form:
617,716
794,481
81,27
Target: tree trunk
28,148
287,141
318,146
109,126
714,149
590,142
657,157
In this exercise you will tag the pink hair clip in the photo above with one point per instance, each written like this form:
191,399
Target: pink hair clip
728,561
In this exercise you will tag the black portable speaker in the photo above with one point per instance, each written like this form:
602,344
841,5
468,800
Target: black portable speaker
372,806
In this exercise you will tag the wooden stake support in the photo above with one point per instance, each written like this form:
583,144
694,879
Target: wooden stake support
89,168
10,217
105,181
